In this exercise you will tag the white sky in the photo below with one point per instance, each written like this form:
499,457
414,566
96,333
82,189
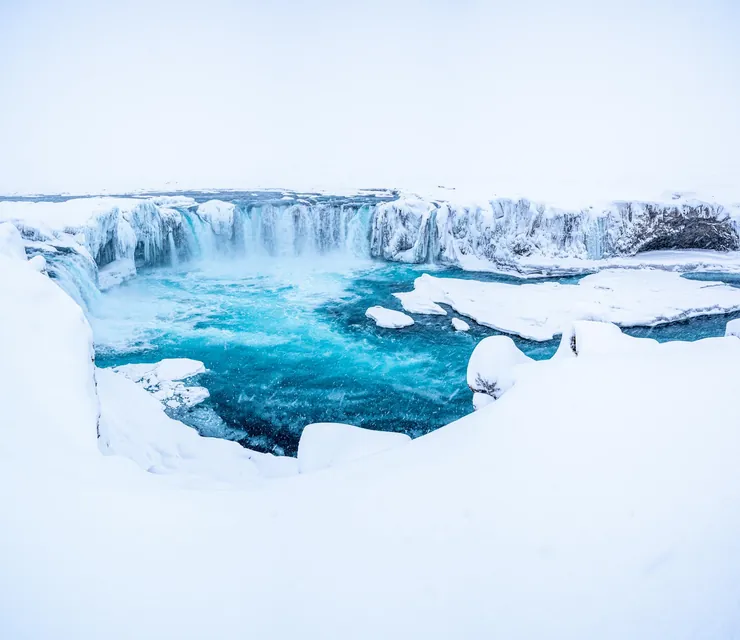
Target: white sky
533,96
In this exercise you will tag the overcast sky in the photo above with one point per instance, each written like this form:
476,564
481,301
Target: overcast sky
529,96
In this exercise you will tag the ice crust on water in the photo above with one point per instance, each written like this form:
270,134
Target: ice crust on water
388,318
541,311
329,444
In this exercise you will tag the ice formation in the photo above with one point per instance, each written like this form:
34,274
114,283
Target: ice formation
79,236
733,328
163,380
625,297
388,318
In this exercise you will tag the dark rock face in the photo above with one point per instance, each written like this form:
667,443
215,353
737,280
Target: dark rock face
685,227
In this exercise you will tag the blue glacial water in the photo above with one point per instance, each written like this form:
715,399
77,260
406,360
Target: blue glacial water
287,343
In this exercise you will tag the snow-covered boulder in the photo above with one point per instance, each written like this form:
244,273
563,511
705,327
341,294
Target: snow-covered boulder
493,368
330,444
38,262
460,325
733,328
163,380
388,318
11,242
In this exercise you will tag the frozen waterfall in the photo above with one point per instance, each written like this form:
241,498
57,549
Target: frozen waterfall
79,235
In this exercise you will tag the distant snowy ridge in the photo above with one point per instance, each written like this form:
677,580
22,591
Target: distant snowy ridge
80,236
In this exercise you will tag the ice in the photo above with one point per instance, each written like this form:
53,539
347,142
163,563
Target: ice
415,302
38,262
330,444
133,424
493,367
11,242
116,273
220,215
541,311
733,328
460,325
388,318
162,380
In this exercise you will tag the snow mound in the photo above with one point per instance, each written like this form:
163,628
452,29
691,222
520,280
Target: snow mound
541,311
460,325
389,319
492,368
162,380
330,444
11,242
733,328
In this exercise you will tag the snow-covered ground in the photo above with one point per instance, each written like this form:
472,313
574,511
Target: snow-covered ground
540,311
598,497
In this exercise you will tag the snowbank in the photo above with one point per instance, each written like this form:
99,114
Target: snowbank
541,311
389,319
11,242
329,444
733,328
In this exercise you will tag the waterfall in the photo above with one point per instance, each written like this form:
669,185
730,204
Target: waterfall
174,260
76,274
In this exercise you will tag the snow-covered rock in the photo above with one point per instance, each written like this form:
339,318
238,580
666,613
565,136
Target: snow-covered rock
163,380
11,242
38,262
541,311
493,367
388,318
502,232
220,215
460,325
330,444
733,328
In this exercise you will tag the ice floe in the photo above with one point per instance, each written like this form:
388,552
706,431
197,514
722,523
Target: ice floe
388,318
541,311
460,325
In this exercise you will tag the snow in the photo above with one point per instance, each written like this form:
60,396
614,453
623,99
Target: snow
162,380
389,319
733,328
493,365
220,215
116,273
11,242
416,302
598,498
460,325
541,311
329,444
38,262
134,425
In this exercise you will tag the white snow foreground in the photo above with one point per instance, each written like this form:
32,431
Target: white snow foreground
163,380
599,497
328,444
733,328
541,311
388,318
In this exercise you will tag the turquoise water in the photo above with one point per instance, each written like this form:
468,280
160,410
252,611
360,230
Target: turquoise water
287,343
